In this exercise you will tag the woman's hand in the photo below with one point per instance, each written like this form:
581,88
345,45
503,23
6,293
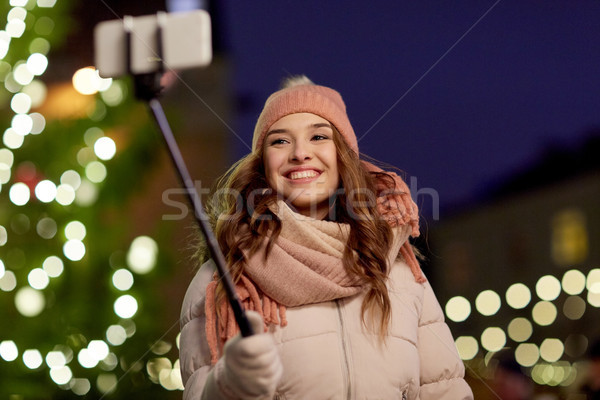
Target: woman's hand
250,367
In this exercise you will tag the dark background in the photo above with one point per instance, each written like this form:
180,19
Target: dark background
460,95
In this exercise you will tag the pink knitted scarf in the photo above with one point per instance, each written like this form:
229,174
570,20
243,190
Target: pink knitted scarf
305,266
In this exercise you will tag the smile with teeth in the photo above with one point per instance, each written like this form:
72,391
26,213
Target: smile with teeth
303,174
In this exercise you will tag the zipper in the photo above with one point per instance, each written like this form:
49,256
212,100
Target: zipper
344,344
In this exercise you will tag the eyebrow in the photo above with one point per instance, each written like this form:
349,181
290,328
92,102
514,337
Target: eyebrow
314,126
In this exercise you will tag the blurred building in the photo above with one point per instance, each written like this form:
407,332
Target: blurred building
522,270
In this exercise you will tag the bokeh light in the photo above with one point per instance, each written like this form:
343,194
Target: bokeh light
32,358
3,236
126,306
65,195
22,74
29,302
95,171
80,386
105,148
37,63
8,350
520,329
12,139
45,191
593,281
116,335
74,250
39,45
467,347
46,228
493,339
488,302
20,103
53,266
527,354
544,313
19,194
61,375
55,359
141,256
106,383
87,81
122,279
75,230
548,287
71,178
458,309
46,3
15,28
38,278
551,349
86,358
573,282
574,307
8,282
22,124
518,296
38,121
115,94
86,194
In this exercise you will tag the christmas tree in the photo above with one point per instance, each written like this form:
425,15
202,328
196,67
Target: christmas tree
78,307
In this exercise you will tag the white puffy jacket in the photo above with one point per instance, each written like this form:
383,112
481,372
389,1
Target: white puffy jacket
326,353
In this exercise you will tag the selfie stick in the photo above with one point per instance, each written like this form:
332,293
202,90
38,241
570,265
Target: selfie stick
147,88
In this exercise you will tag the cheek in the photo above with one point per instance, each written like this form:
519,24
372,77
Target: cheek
271,164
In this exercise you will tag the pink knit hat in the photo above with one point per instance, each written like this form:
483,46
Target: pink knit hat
308,98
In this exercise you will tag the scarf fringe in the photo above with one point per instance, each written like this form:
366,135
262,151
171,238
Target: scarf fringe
270,311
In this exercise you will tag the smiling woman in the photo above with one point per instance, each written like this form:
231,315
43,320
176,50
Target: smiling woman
301,162
316,241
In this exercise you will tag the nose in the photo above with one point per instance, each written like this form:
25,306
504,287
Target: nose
300,152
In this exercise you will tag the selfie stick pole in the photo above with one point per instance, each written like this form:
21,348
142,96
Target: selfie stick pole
147,88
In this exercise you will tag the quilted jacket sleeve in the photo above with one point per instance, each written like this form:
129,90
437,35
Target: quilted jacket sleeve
442,370
194,354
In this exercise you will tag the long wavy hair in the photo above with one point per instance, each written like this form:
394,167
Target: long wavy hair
365,255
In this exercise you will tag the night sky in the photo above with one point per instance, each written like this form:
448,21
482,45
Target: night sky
457,94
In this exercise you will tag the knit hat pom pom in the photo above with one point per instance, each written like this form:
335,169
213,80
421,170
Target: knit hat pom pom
295,80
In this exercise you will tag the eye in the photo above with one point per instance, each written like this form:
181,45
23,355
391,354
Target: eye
320,136
277,141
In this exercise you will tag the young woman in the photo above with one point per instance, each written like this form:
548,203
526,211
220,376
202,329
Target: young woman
316,241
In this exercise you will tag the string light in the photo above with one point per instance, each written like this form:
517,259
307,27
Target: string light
74,249
105,148
141,257
126,306
19,194
29,302
53,266
38,278
8,350
122,279
32,358
37,63
487,302
45,191
548,288
75,230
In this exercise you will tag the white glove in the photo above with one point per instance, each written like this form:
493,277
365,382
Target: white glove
250,367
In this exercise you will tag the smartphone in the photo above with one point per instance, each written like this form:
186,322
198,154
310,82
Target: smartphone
186,43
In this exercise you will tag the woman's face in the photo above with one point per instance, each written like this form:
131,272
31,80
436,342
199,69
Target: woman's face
300,161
